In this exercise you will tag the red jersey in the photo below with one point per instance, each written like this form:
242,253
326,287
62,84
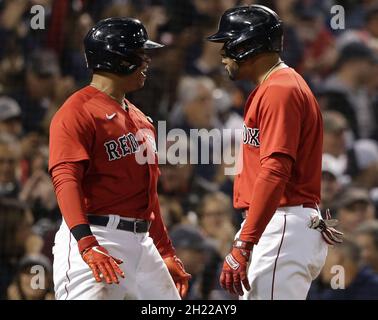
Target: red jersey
92,126
282,116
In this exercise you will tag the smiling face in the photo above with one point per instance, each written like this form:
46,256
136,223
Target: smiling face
136,79
141,71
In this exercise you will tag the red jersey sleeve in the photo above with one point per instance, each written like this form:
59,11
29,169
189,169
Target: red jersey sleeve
268,190
71,135
280,119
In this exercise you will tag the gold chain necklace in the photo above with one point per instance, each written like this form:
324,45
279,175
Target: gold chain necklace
271,70
123,105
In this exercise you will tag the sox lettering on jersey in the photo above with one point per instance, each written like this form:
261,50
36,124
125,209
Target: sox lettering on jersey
251,136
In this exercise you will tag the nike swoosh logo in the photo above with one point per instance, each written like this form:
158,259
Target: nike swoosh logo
110,117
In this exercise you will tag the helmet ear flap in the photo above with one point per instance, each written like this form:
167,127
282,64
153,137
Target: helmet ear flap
122,64
242,50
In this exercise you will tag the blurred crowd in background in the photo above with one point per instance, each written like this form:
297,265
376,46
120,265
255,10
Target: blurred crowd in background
188,87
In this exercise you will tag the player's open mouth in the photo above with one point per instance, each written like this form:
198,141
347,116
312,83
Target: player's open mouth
144,72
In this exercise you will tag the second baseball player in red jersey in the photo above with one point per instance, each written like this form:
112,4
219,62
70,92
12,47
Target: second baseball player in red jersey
282,243
112,243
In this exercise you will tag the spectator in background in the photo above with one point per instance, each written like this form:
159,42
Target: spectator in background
10,120
319,52
216,221
42,71
195,109
354,207
199,258
345,90
171,212
208,62
195,104
227,114
15,229
330,185
21,287
356,12
367,34
74,62
9,186
38,190
178,180
30,145
363,166
371,27
359,282
367,239
334,139
177,183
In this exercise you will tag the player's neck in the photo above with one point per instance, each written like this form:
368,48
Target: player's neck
264,65
109,86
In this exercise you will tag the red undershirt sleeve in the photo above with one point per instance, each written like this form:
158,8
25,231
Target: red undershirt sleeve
268,190
67,178
159,234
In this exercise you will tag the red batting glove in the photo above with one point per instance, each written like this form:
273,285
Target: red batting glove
179,275
99,260
234,272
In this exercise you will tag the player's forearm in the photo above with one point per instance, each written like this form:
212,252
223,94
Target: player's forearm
268,190
159,235
67,179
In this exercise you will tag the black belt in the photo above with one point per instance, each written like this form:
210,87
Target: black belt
137,226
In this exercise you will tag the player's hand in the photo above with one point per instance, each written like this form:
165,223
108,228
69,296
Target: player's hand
178,274
234,272
100,261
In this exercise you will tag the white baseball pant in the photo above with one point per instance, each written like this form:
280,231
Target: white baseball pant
288,257
146,275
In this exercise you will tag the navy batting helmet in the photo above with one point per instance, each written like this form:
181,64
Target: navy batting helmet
112,43
249,30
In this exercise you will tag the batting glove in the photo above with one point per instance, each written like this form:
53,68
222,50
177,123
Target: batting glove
234,272
99,260
179,275
326,227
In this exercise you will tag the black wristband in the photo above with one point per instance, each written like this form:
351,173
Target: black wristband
81,231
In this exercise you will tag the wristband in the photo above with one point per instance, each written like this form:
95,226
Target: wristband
80,231
245,245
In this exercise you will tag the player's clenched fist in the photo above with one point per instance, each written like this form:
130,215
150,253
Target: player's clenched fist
99,260
178,274
234,272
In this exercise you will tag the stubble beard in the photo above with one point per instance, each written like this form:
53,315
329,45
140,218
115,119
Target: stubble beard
234,71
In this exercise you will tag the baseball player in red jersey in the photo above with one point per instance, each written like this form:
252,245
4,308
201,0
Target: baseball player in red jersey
278,251
112,243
